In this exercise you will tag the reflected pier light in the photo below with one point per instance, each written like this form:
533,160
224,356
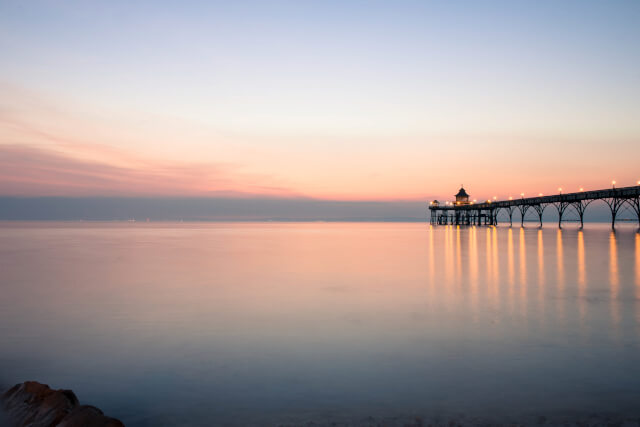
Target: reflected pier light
541,270
614,280
560,261
522,264
582,276
638,269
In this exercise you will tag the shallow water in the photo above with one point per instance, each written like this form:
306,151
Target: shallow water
200,324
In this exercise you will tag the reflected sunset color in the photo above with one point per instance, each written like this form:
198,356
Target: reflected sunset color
305,321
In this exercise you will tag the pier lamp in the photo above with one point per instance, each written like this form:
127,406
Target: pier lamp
560,190
522,194
613,183
495,197
581,189
510,197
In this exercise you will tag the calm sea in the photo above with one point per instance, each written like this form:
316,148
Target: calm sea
237,323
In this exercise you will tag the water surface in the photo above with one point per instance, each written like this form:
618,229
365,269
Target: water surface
200,324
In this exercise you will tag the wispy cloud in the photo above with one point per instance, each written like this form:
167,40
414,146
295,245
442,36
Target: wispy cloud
33,171
47,151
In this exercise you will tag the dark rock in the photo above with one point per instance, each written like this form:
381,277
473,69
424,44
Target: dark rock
85,415
36,405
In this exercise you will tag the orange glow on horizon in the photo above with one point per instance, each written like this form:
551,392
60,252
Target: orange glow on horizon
47,151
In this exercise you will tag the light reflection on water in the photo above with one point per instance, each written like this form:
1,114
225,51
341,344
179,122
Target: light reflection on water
194,324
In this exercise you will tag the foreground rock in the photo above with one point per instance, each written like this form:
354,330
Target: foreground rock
36,405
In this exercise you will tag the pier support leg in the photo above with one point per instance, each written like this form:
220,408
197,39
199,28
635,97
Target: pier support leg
561,207
523,211
614,204
580,207
540,210
635,205
613,220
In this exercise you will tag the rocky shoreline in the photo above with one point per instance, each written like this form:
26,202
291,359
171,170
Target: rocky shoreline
37,405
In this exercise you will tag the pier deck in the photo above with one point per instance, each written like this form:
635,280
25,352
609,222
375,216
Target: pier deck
486,213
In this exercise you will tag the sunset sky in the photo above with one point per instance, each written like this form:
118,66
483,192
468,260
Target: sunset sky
337,100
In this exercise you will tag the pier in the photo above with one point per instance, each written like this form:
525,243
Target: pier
465,212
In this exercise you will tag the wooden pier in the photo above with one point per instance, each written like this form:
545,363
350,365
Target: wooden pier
463,212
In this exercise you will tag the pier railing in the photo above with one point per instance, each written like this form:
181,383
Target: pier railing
487,212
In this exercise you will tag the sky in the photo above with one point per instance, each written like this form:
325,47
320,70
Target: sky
348,101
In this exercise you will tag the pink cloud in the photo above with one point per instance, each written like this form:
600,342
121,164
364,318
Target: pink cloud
35,171
46,150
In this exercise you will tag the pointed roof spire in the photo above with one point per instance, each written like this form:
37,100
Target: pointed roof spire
462,192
